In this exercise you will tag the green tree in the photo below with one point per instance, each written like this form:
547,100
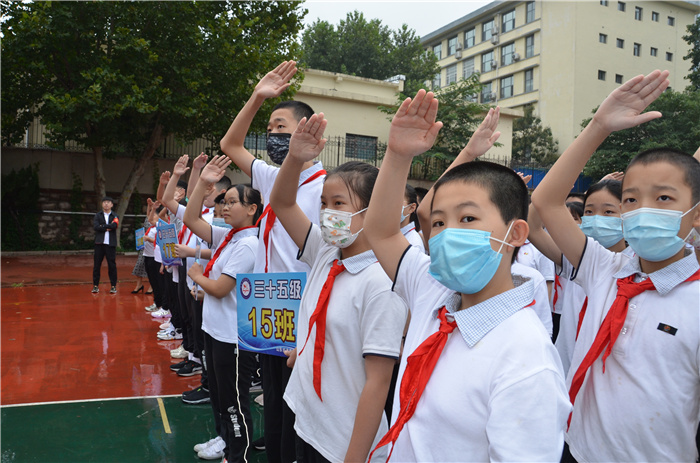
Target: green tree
531,141
367,48
123,76
693,39
678,128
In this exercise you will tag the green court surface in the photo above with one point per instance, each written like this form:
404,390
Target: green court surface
112,430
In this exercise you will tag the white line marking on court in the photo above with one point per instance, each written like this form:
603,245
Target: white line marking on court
89,400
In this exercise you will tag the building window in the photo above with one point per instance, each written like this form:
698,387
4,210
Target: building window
436,81
604,2
653,51
507,87
470,38
451,46
603,38
529,78
601,75
620,43
638,13
508,21
671,21
486,93
451,74
618,78
620,6
529,12
360,147
437,49
468,68
637,49
669,56
487,62
487,30
655,16
507,54
530,46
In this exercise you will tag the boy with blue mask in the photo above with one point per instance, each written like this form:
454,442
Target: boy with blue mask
479,370
634,378
276,251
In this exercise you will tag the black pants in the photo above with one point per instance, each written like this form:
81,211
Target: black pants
306,453
230,371
155,279
280,437
195,308
102,251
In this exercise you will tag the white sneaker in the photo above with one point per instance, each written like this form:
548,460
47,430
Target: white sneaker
161,313
170,335
151,307
166,326
199,447
214,452
179,353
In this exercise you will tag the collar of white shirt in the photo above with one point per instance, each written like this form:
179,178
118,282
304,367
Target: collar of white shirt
358,263
408,228
666,278
306,173
477,321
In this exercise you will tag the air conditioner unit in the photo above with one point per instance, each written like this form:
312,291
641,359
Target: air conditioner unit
516,56
492,96
494,30
458,55
458,46
494,64
494,39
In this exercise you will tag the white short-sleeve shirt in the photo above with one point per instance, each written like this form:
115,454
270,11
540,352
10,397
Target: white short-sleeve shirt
570,301
497,391
219,316
532,257
413,237
646,406
282,252
364,318
190,239
541,305
149,247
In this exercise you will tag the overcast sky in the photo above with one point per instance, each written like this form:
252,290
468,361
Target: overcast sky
423,17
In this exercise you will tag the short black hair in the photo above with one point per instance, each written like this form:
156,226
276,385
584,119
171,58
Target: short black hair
223,184
421,192
221,197
684,161
505,188
580,196
299,109
614,187
248,196
412,197
359,177
576,209
182,184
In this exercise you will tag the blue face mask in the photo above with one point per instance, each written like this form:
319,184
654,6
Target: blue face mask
604,229
220,222
463,260
653,233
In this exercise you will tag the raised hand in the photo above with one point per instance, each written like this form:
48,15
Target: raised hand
307,142
414,129
164,178
216,169
179,194
180,167
200,161
485,135
623,108
618,176
526,178
276,81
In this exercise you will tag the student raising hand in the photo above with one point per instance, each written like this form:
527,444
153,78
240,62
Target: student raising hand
413,128
307,142
276,81
216,169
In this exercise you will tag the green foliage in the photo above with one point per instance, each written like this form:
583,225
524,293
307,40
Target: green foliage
678,128
368,49
533,143
693,39
20,209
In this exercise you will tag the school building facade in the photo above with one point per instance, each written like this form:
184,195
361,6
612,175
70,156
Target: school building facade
562,57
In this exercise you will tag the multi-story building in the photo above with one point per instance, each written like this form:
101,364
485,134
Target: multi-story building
563,57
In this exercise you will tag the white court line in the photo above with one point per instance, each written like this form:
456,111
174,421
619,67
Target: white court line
89,400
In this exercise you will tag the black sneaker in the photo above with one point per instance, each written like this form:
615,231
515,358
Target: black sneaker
259,444
190,368
95,289
113,290
178,365
196,396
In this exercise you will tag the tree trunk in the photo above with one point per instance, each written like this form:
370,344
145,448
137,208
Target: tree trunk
157,137
100,181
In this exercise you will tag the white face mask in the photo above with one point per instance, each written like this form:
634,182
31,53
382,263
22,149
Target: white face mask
335,227
404,217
